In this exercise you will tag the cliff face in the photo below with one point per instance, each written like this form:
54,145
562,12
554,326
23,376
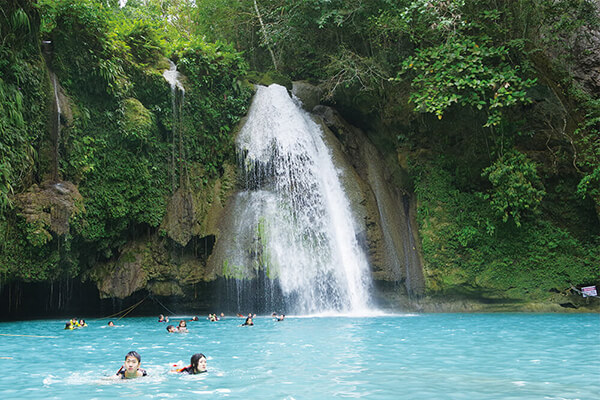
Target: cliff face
385,195
170,262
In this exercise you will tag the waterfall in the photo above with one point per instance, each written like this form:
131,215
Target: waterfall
57,128
172,76
293,229
177,96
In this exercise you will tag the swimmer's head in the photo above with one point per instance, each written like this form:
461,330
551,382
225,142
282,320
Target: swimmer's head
134,354
132,363
198,362
170,328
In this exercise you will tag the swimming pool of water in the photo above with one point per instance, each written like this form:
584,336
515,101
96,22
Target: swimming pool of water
426,356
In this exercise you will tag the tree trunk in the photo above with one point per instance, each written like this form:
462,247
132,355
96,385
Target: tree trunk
264,32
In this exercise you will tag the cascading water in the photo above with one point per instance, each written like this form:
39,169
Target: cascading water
178,96
172,76
57,129
294,230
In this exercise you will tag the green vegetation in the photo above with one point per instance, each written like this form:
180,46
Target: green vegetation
118,140
480,96
507,170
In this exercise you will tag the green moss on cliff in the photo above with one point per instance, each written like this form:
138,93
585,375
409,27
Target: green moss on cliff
465,244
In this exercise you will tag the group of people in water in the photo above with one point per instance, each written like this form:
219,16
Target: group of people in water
182,327
131,367
75,323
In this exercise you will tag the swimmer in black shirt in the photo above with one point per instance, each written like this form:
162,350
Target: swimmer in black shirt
131,368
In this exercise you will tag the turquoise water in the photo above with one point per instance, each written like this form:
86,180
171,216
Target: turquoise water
424,356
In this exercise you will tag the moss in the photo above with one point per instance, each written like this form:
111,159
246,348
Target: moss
138,122
271,77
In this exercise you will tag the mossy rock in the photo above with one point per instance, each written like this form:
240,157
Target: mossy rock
163,64
269,78
138,121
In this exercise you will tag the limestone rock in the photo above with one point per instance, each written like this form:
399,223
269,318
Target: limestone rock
197,213
50,206
121,278
309,95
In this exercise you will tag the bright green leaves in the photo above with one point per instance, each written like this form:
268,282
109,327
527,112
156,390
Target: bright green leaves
516,187
143,39
215,103
22,96
467,73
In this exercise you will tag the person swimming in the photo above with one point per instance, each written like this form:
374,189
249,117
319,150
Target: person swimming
131,368
248,321
171,329
182,327
162,318
110,323
197,365
69,326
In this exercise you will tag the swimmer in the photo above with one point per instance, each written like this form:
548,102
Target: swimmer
280,317
161,318
171,329
69,326
197,365
222,315
194,319
248,321
131,369
110,323
82,323
182,327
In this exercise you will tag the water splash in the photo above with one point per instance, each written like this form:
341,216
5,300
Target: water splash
294,230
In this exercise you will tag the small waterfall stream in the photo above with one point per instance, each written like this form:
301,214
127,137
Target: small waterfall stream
56,131
294,231
178,97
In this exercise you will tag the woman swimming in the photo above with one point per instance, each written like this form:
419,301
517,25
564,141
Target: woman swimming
197,365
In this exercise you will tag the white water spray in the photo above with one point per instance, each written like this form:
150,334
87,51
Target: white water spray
294,220
172,76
